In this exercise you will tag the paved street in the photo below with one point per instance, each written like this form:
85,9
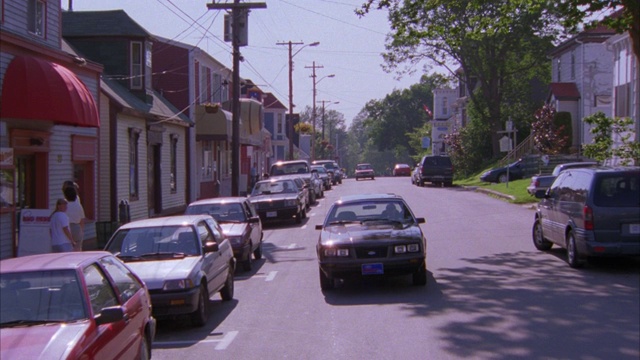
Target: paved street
490,295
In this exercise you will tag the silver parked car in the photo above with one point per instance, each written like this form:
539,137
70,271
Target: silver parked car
184,260
239,221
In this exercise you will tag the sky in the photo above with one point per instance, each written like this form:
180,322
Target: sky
350,47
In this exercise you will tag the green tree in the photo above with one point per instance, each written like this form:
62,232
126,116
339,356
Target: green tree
605,130
494,43
390,119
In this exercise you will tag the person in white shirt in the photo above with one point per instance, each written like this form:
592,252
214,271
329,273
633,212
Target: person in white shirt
75,212
61,238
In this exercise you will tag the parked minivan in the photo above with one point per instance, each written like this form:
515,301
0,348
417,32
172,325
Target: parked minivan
592,212
436,169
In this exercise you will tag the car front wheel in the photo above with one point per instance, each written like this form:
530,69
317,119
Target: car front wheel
226,293
200,316
539,241
257,253
420,276
326,282
502,178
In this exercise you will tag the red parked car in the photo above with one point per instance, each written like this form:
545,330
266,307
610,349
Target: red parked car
402,170
76,305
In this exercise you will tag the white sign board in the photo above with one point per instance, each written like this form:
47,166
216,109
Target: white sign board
505,144
426,142
34,232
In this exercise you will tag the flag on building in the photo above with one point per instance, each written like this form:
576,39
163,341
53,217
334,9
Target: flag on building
426,109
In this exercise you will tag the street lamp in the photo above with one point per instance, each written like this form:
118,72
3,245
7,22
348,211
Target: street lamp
291,55
313,127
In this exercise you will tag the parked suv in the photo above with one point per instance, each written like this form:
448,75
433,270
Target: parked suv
590,212
436,169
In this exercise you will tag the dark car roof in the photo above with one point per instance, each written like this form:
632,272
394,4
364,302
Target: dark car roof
51,261
606,169
220,200
361,197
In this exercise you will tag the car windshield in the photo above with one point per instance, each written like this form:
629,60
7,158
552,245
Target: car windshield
274,187
363,167
145,242
320,169
222,212
37,297
369,211
287,169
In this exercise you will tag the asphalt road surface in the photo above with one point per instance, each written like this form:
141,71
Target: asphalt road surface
490,295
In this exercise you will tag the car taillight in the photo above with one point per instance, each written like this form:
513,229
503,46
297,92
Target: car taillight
587,215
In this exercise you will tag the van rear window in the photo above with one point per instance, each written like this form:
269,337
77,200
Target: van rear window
617,190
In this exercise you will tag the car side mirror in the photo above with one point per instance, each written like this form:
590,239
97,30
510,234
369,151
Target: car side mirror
421,220
254,219
211,246
110,315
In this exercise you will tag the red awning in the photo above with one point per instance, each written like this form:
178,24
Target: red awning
37,89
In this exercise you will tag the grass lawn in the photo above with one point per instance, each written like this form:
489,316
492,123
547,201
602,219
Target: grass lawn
516,188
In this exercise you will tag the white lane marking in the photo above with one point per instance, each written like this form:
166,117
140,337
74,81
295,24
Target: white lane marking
226,340
222,343
271,276
291,246
304,226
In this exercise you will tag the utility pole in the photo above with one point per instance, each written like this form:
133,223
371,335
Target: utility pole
237,10
291,55
313,113
290,122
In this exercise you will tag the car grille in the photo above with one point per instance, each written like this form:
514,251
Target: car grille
270,205
371,252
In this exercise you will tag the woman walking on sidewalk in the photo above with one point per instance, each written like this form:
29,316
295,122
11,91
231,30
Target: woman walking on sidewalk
61,239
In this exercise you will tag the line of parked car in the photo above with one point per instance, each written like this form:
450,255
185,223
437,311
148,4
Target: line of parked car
104,304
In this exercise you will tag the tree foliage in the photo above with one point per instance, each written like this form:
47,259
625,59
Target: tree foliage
493,42
604,146
390,119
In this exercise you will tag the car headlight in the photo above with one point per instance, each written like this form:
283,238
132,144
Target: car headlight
402,249
180,284
330,252
236,240
290,202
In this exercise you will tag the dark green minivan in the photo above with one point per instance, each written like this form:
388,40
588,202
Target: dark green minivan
592,212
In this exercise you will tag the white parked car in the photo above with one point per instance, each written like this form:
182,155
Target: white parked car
184,260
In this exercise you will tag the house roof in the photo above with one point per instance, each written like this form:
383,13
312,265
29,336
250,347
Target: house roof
271,102
160,108
597,34
100,23
564,91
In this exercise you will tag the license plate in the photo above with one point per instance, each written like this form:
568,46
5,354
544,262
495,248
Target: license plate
372,269
272,214
634,229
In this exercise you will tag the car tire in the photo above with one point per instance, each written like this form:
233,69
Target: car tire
313,197
257,253
246,264
201,315
419,278
539,241
573,257
145,350
326,282
226,293
503,178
